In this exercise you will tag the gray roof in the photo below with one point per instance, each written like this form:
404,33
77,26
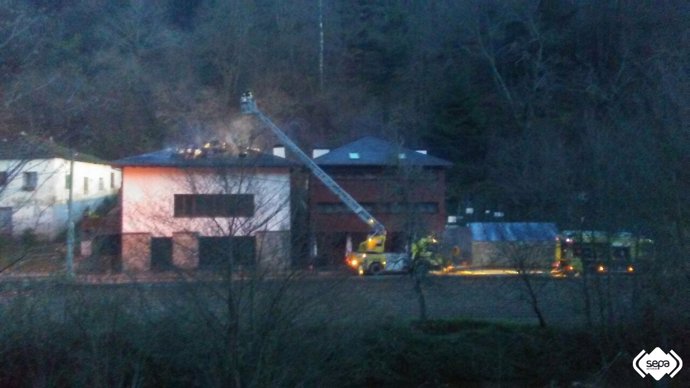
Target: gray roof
171,158
372,151
512,231
27,147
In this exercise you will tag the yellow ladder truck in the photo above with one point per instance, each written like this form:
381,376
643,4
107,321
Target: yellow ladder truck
370,257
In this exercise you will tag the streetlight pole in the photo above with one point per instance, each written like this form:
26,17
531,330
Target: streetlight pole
321,43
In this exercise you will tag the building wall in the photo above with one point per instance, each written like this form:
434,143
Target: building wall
185,254
148,200
373,188
136,252
147,204
511,254
378,188
273,249
44,209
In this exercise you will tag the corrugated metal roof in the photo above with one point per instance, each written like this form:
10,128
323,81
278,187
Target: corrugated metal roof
372,151
512,231
170,158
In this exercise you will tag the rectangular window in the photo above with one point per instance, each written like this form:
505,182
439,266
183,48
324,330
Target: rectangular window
339,207
101,184
214,205
68,181
86,185
30,181
381,207
6,221
112,180
3,178
426,207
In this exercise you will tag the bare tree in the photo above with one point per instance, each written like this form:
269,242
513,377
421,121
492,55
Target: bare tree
20,41
228,216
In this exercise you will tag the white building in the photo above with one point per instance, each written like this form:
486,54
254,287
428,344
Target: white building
35,186
203,207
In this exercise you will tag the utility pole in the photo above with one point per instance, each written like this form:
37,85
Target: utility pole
321,43
69,258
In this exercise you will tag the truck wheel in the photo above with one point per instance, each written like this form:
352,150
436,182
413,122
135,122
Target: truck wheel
375,268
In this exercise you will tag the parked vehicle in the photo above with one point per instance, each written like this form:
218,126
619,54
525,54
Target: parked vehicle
579,251
370,258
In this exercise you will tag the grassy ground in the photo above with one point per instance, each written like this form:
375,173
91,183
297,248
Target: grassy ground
37,257
320,331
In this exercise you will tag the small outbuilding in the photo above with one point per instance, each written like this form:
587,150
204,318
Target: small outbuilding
512,244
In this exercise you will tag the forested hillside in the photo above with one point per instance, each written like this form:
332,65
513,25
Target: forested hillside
571,111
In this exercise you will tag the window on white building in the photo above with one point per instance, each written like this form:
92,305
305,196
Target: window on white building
101,184
214,205
3,178
30,180
86,185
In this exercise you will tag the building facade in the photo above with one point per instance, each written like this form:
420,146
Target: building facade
36,181
404,189
205,208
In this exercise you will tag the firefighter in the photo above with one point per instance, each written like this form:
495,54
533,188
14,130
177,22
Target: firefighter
420,248
424,253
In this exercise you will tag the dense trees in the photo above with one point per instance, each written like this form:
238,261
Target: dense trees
550,109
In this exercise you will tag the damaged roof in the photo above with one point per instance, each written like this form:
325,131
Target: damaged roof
171,157
512,231
372,151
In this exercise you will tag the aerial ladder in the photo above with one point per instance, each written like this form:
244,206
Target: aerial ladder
370,256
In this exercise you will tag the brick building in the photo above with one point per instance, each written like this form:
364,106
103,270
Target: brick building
404,189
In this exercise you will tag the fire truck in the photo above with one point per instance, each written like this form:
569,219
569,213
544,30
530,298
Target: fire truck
590,251
370,257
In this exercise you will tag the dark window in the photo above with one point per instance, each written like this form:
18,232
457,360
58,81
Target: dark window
161,253
621,253
68,181
426,207
112,180
218,252
383,208
30,180
101,184
6,221
590,251
107,244
214,205
3,178
86,185
339,207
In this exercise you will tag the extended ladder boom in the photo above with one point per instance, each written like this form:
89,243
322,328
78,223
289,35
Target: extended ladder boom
248,106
